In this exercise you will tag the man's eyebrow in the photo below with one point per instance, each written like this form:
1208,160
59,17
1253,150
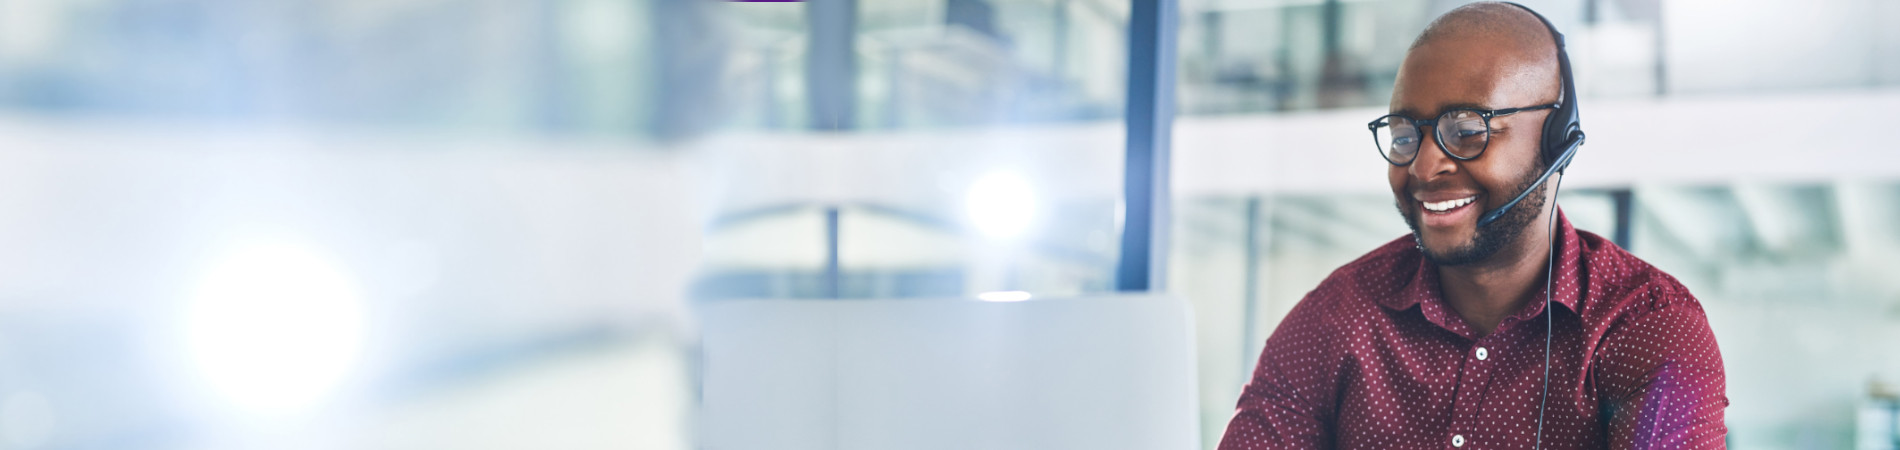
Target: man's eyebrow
1413,113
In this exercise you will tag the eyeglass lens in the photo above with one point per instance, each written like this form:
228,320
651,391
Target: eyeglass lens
1463,133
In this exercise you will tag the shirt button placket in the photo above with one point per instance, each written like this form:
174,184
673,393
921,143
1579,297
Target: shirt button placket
1473,375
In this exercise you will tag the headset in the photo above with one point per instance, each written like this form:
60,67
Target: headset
1562,132
1562,136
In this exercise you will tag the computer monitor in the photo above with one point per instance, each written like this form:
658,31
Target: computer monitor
1110,372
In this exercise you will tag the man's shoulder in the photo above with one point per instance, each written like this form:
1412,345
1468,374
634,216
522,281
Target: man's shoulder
1622,284
1378,274
1642,324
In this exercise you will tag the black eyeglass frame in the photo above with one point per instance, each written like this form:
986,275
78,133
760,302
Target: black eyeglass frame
1418,126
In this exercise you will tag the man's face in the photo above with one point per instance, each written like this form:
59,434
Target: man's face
1472,73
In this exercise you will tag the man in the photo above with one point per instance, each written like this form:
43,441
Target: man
1439,339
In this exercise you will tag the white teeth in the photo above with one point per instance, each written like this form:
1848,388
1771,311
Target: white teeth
1448,204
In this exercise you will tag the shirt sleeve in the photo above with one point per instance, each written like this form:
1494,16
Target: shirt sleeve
1289,404
1663,381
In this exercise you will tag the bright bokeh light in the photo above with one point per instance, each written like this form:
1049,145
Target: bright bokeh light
1001,205
1003,296
275,326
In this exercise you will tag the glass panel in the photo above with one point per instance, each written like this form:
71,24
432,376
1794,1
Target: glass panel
344,224
982,151
1266,56
570,66
1797,281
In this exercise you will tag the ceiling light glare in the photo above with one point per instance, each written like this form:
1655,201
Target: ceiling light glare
274,326
1001,205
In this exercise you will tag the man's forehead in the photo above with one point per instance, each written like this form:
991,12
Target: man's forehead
1471,73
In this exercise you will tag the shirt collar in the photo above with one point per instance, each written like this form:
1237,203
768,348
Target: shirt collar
1423,286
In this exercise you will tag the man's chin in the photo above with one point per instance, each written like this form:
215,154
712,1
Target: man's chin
1455,247
1440,243
1449,251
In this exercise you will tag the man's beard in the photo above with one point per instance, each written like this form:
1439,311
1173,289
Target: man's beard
1486,240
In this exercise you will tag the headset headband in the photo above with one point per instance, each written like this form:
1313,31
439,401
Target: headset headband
1563,130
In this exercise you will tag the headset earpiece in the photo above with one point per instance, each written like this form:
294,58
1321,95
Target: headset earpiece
1562,132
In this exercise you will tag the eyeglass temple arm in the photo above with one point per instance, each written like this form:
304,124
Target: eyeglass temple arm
1510,111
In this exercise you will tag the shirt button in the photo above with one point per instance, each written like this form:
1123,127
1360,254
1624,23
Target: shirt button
1482,353
1457,440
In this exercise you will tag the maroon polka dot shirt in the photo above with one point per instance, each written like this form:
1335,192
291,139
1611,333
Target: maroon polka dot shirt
1374,358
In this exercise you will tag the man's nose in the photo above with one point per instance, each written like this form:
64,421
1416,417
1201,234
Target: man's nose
1431,161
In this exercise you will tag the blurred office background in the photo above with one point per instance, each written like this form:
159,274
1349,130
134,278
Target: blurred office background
486,224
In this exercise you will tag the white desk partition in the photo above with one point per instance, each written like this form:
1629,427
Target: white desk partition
1113,372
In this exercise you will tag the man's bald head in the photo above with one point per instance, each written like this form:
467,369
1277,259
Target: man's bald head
1495,20
1513,35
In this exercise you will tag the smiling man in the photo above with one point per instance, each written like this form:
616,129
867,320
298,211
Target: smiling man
1495,324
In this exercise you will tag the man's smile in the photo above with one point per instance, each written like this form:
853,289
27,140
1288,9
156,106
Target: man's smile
1445,209
1447,205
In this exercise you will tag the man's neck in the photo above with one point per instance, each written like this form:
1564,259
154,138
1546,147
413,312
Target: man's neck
1486,292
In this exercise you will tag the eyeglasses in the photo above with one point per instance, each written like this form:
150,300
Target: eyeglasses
1398,136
